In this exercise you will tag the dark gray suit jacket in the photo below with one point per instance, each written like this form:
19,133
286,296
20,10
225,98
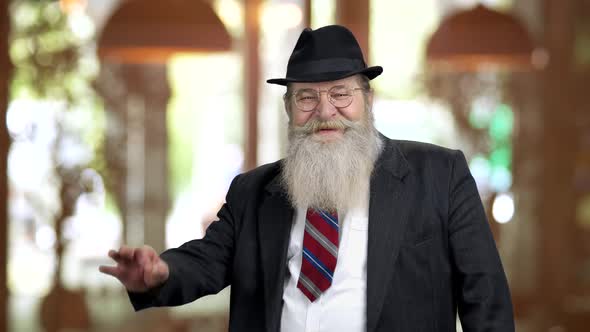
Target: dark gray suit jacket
430,251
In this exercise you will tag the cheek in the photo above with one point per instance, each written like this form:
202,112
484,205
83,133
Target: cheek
300,118
354,112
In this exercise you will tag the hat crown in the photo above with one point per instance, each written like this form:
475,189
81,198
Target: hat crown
329,42
326,54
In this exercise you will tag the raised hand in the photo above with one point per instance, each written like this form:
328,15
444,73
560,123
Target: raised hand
138,269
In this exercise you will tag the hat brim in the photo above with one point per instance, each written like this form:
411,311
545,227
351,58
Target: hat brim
370,72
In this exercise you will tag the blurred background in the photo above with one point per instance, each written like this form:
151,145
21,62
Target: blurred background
125,121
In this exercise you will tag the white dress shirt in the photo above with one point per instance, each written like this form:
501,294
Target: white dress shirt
342,306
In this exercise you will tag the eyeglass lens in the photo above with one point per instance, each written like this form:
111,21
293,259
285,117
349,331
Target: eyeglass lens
308,99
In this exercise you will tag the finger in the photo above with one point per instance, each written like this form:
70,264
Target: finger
160,272
126,252
115,255
142,256
110,270
149,252
148,276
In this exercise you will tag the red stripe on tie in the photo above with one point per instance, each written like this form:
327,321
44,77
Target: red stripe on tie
305,292
315,276
320,252
319,279
322,225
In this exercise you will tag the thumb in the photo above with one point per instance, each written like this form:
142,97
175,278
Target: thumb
157,273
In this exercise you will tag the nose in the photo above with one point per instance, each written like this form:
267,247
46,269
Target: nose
325,109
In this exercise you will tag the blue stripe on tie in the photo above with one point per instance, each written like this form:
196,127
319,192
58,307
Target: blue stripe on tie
317,263
329,219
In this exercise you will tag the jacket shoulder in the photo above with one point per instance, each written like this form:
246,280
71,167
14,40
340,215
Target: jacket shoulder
258,177
427,158
420,149
420,152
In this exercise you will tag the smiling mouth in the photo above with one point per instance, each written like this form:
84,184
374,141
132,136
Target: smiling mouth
328,132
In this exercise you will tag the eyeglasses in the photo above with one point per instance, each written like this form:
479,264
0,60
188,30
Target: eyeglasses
308,99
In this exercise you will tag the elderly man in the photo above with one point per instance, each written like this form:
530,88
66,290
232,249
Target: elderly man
352,231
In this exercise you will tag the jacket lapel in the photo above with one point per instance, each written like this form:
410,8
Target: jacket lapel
387,219
274,228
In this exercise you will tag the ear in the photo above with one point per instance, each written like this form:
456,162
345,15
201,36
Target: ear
369,96
286,102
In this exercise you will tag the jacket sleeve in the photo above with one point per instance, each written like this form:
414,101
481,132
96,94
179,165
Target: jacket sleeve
480,284
198,267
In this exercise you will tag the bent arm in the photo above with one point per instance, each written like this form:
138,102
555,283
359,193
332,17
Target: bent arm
480,283
198,267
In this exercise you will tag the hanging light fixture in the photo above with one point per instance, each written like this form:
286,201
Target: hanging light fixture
143,31
479,37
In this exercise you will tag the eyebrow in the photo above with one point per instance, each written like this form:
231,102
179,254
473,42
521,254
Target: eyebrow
334,86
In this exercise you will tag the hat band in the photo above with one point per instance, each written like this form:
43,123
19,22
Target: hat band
326,66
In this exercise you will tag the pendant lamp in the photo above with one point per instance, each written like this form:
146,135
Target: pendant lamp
478,38
150,31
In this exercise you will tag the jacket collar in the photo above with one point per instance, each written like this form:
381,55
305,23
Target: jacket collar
391,159
389,200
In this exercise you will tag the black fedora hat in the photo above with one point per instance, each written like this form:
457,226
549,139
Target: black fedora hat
326,54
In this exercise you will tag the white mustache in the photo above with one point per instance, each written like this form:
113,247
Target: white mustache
315,125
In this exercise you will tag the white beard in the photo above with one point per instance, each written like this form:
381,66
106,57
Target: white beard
331,175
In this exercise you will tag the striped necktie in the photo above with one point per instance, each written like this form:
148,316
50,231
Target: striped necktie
320,253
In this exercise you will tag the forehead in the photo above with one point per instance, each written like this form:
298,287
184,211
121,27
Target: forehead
348,81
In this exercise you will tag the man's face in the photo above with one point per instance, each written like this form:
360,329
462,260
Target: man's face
326,111
333,144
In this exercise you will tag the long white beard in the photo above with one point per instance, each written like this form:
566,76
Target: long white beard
331,175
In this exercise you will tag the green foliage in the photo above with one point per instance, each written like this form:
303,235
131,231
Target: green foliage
500,131
502,123
54,59
44,51
501,156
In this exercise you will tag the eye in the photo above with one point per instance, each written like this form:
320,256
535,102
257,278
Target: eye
306,96
339,93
